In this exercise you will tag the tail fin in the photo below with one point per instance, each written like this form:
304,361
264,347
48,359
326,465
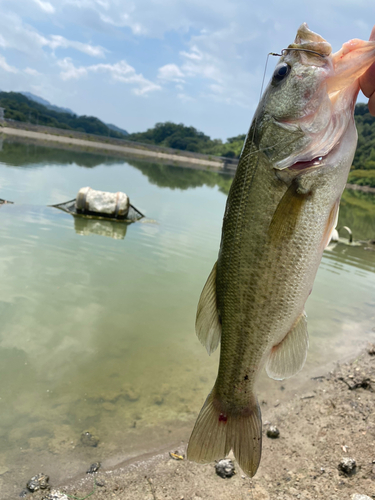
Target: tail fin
216,433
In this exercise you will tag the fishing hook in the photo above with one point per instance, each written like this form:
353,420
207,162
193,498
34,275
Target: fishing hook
284,52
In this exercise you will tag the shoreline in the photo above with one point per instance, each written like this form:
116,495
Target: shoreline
141,151
330,417
364,189
116,147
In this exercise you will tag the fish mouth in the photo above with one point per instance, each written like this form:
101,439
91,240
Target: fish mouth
301,166
341,80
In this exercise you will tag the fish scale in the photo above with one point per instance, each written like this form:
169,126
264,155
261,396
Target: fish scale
281,210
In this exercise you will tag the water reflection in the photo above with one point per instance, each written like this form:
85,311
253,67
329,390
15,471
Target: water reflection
99,336
358,255
357,211
182,178
174,177
86,227
20,154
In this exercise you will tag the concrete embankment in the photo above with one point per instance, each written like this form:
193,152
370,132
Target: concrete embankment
110,145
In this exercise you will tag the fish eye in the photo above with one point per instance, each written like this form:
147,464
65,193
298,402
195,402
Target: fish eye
281,71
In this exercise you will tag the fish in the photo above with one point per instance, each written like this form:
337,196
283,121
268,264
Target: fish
280,213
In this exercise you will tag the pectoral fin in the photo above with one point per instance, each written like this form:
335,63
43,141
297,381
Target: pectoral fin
331,224
288,357
287,215
207,324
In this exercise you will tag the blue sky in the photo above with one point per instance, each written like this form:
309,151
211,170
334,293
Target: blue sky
138,62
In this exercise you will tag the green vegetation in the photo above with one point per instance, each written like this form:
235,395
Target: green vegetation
20,108
362,177
357,210
178,136
188,138
363,169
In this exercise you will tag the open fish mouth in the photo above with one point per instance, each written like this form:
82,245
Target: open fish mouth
307,165
338,74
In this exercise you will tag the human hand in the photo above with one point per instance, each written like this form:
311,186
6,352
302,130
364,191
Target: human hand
367,82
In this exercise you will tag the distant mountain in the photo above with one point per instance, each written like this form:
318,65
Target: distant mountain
47,104
20,107
117,129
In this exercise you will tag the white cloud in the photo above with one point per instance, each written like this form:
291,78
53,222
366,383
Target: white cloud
15,34
212,52
120,71
171,73
69,71
5,66
45,6
227,40
32,72
185,97
194,55
57,41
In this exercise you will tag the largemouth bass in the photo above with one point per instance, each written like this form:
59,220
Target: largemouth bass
281,210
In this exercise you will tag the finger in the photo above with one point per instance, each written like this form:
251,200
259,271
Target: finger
371,105
367,81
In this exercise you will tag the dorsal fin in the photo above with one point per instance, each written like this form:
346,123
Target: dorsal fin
308,40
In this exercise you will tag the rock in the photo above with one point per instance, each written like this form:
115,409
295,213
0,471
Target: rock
87,439
131,394
23,493
38,482
158,400
225,468
56,495
273,432
347,466
356,496
93,468
371,349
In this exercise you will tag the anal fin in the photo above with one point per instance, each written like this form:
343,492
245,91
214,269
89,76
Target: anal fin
288,357
207,324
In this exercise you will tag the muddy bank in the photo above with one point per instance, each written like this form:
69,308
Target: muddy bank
332,418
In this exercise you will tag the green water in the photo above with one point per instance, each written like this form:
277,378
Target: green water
97,319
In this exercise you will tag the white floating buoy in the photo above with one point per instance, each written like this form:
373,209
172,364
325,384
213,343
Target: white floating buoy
101,202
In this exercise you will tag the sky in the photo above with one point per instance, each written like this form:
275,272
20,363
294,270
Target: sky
135,63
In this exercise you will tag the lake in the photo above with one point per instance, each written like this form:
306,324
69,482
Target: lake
97,319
